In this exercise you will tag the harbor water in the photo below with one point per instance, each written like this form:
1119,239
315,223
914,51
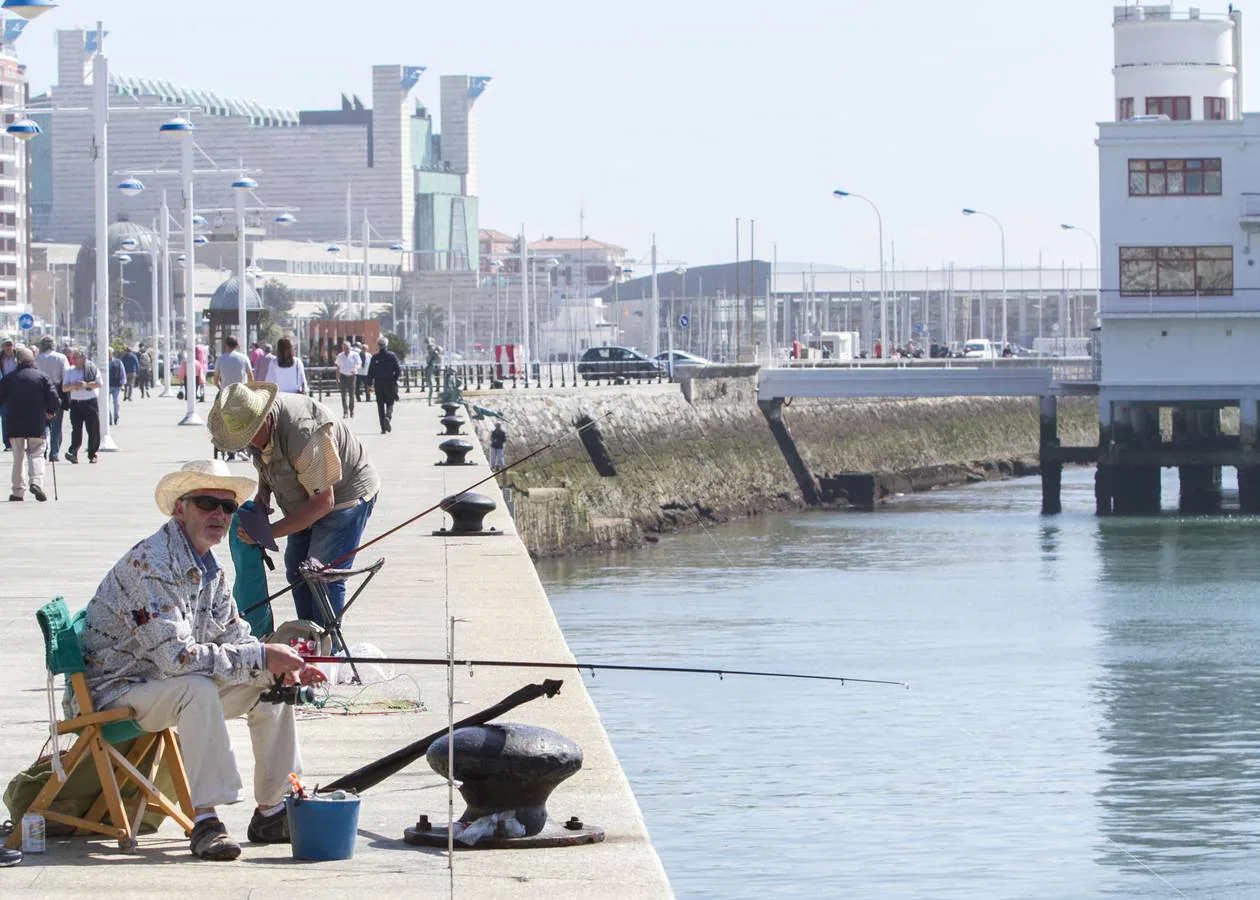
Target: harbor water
1081,722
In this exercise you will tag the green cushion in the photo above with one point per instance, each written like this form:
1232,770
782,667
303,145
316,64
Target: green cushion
63,656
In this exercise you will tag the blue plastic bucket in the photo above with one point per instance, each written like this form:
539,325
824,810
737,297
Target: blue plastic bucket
323,828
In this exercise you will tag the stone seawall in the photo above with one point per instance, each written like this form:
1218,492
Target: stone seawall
702,450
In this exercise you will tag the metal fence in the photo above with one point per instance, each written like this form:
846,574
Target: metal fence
1065,368
492,376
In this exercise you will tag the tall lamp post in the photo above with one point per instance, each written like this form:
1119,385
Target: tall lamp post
242,186
1097,266
883,299
1002,234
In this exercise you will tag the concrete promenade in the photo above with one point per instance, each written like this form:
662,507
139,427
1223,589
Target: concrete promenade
66,546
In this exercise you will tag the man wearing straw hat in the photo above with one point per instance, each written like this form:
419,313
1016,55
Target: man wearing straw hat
163,637
316,469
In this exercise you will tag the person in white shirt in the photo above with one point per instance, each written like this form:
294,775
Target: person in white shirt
54,365
287,372
348,365
83,381
361,381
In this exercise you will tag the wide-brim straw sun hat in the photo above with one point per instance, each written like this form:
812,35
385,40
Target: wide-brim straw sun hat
238,413
201,475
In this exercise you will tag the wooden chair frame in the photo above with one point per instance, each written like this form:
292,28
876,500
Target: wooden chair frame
115,770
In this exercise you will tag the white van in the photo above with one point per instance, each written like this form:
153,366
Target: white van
980,349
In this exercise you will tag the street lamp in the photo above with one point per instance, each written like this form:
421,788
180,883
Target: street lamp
1097,266
401,250
180,129
1002,233
883,299
131,187
242,186
28,9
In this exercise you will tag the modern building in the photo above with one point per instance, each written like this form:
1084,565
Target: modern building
14,209
1179,200
386,162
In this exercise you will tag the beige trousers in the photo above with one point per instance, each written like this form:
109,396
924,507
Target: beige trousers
199,707
28,459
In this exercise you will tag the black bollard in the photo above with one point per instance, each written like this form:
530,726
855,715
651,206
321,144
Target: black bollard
449,409
452,425
467,510
508,768
456,449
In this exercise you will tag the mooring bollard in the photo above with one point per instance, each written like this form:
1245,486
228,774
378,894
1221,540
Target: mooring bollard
456,449
467,510
452,424
508,770
449,409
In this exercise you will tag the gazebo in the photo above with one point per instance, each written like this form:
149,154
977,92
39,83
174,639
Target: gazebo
225,315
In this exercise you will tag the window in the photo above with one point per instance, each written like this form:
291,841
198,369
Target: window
1215,108
1124,109
1176,271
1173,107
1160,177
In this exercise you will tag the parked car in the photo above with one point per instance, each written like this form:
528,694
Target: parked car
980,349
682,359
616,362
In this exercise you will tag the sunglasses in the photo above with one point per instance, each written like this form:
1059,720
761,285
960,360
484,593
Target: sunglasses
210,504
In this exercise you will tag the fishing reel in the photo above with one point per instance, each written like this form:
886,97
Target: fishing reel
292,694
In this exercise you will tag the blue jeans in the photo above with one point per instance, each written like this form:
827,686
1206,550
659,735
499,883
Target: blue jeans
113,404
338,532
54,432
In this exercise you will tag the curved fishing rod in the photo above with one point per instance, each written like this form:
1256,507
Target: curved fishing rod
420,515
585,666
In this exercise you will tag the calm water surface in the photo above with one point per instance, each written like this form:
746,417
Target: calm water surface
1083,718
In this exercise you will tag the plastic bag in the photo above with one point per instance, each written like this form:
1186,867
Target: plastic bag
479,829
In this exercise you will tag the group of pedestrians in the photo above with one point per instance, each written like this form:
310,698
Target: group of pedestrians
359,374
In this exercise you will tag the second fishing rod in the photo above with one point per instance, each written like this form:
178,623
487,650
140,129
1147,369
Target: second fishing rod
440,505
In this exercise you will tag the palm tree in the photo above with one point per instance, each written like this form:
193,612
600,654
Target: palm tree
432,318
330,310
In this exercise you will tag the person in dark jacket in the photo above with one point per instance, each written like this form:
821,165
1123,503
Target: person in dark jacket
131,365
29,402
383,373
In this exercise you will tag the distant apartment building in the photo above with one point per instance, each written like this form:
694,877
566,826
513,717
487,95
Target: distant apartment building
14,235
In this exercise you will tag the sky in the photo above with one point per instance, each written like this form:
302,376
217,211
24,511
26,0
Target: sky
676,118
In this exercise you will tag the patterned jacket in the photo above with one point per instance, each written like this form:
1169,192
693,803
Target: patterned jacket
161,613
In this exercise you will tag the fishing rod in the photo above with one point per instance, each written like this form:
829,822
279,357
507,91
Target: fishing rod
420,515
590,667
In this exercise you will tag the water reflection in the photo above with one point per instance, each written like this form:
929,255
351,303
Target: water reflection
1178,691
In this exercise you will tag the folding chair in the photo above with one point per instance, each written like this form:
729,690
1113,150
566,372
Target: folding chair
98,732
318,579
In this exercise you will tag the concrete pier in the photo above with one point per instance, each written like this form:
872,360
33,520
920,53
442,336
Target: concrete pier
1051,464
1200,485
67,546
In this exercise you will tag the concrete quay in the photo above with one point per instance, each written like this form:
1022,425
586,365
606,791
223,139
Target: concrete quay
66,546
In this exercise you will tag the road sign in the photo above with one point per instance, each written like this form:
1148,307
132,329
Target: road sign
684,320
919,328
26,321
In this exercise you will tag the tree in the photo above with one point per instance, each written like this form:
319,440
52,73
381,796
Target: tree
432,318
277,299
397,344
331,309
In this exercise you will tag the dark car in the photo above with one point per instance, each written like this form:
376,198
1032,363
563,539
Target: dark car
617,362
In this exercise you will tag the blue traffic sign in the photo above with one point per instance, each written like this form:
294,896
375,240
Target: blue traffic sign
919,328
26,321
684,320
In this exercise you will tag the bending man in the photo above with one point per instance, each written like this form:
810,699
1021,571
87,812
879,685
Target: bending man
316,469
163,637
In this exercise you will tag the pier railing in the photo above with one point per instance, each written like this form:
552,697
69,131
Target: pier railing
1065,368
484,376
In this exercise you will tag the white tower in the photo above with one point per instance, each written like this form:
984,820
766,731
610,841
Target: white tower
1183,64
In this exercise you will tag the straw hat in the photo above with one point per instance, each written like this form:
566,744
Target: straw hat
238,413
201,474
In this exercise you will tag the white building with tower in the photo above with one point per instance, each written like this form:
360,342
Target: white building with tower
1179,202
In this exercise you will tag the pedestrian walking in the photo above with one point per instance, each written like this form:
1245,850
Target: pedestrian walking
117,381
54,365
432,365
262,369
348,365
8,365
83,382
29,401
384,371
286,371
256,352
131,365
144,375
232,368
498,443
361,382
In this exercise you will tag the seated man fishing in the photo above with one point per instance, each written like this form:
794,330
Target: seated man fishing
314,466
163,637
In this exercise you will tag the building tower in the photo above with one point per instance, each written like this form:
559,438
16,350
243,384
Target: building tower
1179,202
15,234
